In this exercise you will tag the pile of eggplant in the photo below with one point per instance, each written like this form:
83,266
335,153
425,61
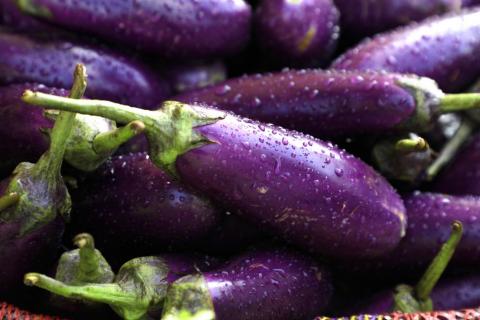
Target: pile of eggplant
239,160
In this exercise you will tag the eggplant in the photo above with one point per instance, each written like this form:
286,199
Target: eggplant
442,48
301,189
25,132
139,287
332,103
10,15
260,284
186,27
462,176
457,293
133,208
194,75
434,315
429,218
34,204
365,18
297,33
45,58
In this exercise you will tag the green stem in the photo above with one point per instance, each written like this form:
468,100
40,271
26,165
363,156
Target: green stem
438,265
450,149
114,111
8,200
88,266
105,142
411,145
51,161
459,102
109,293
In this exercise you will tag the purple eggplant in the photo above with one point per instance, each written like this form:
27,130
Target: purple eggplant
170,28
25,132
194,75
45,59
297,33
303,190
442,48
11,16
365,18
130,198
332,103
34,203
139,287
462,177
263,284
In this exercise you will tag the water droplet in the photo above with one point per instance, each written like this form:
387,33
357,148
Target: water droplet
339,172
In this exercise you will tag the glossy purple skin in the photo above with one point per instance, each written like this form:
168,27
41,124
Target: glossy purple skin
180,265
442,48
50,60
133,208
20,132
297,33
269,284
321,103
170,28
302,189
462,177
11,16
365,18
430,216
36,250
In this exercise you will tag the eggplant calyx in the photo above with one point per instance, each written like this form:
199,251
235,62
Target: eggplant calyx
106,143
189,298
33,8
169,130
427,97
84,265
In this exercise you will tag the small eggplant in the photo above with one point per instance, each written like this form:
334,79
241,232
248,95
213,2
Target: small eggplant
34,204
187,27
44,59
297,33
139,287
303,190
365,18
442,48
194,75
133,208
332,103
261,284
25,132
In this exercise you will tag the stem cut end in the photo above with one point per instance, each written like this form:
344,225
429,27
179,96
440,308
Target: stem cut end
9,200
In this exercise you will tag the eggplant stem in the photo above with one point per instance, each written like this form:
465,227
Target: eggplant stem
438,265
450,149
8,200
109,293
51,161
412,145
106,142
459,102
89,259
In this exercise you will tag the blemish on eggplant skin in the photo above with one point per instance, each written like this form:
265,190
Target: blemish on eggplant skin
306,41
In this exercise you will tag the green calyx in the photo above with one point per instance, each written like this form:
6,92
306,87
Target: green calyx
427,97
139,287
411,300
42,193
84,265
170,130
34,9
188,298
